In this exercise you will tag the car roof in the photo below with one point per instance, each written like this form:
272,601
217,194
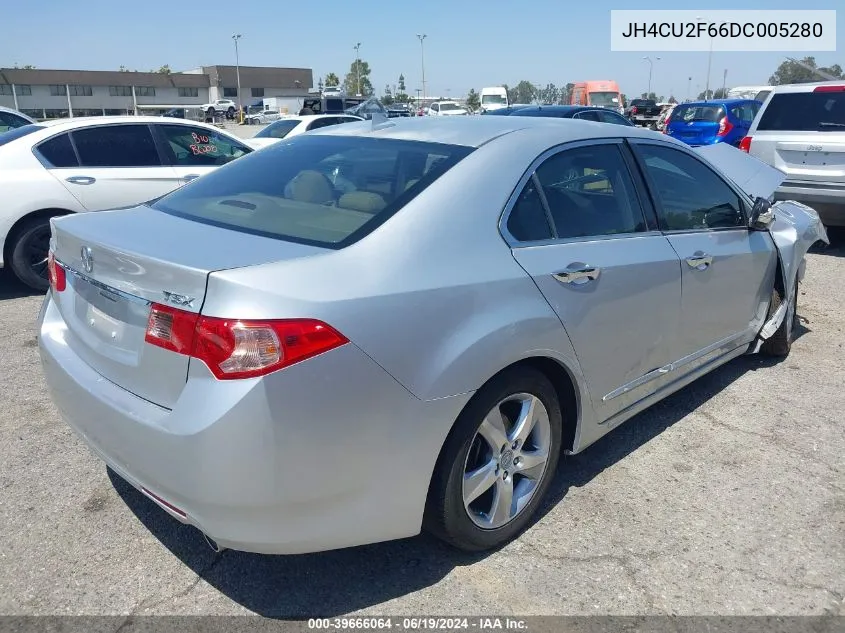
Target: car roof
53,126
311,117
805,87
559,110
718,102
478,130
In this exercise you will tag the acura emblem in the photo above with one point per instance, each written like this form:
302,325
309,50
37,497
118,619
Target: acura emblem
87,259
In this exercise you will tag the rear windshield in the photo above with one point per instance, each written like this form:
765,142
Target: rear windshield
323,190
707,113
804,112
604,98
450,106
18,132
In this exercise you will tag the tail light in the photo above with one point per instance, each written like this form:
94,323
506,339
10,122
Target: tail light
829,89
56,274
633,109
725,126
233,348
745,144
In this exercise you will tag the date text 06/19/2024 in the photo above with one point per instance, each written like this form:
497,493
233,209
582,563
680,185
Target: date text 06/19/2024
481,624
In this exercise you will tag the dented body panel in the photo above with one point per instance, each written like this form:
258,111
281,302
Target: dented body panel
796,227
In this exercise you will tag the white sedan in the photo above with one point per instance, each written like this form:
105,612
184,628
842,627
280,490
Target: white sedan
293,125
93,164
446,108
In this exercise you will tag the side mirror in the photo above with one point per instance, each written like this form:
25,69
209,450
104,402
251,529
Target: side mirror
762,215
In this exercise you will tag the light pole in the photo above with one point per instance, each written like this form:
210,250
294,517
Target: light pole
650,69
724,83
422,58
709,60
357,48
689,83
238,74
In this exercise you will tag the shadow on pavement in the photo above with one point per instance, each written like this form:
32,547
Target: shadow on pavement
11,288
343,581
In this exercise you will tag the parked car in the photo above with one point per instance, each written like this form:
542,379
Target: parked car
366,330
584,113
367,109
506,110
708,122
92,164
221,106
11,119
398,109
293,125
800,130
446,108
261,117
643,112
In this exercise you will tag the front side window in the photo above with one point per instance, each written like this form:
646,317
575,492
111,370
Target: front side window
691,196
116,146
322,122
609,116
195,146
587,115
324,190
589,192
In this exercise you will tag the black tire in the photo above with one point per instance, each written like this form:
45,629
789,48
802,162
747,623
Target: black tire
230,113
29,249
445,515
780,343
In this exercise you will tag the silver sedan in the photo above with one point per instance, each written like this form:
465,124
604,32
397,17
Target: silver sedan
387,326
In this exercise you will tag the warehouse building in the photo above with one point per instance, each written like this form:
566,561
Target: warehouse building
52,94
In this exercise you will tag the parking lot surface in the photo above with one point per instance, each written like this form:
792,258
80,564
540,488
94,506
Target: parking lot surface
727,498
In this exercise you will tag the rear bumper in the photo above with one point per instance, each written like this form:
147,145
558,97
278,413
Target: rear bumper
328,453
828,202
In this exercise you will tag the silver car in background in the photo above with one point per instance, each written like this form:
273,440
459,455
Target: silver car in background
800,130
383,326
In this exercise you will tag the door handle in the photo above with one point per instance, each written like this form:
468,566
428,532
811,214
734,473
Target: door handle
579,276
81,180
700,261
190,177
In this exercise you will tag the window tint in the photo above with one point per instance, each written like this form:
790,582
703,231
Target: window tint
116,146
804,112
11,135
316,189
606,116
58,151
587,115
690,194
324,122
590,193
279,129
527,221
196,146
9,121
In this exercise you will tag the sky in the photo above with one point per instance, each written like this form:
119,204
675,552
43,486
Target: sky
469,43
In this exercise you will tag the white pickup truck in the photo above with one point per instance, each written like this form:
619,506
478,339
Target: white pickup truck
221,106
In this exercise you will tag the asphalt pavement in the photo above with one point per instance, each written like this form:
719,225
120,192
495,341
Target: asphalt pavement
727,498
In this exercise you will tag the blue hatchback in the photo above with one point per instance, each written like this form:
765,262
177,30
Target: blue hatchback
709,122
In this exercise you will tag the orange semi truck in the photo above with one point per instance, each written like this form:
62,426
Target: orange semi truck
604,93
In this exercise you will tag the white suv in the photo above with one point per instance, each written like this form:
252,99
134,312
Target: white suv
800,130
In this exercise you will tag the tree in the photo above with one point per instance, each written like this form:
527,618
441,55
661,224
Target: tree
795,72
387,99
549,95
719,93
401,89
473,100
649,95
358,69
25,67
566,94
332,80
525,92
164,70
624,99
672,99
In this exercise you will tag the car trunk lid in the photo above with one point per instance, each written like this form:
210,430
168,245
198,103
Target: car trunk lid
813,158
119,263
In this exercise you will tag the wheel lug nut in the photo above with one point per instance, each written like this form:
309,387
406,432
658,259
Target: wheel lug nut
515,445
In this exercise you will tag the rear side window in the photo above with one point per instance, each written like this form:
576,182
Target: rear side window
804,112
116,146
279,129
745,112
200,147
323,190
58,151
